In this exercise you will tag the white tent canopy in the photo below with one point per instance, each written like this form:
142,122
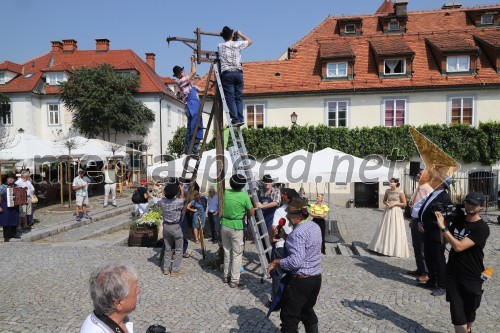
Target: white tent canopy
206,170
26,146
327,166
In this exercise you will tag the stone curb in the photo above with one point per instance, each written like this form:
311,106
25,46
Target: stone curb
71,224
359,250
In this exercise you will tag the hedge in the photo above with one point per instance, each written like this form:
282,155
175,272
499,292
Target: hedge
462,142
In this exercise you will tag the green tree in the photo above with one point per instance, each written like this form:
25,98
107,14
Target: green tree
103,104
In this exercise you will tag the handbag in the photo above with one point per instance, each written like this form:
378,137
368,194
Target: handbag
34,199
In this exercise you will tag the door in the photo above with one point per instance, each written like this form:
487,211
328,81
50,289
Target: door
366,195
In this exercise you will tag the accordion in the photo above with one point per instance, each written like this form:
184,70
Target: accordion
16,196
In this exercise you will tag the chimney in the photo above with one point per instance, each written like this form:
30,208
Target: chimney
452,5
69,45
400,7
102,45
150,60
57,46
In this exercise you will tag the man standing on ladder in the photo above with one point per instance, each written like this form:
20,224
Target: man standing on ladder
232,72
189,94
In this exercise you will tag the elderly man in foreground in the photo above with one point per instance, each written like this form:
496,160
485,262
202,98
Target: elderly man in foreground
114,292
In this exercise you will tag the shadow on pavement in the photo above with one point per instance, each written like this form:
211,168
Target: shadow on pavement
384,270
382,312
248,320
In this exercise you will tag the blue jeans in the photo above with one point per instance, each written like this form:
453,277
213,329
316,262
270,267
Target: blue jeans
232,84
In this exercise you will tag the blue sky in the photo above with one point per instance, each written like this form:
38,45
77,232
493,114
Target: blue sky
28,26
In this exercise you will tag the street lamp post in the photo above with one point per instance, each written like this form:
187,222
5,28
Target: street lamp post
293,118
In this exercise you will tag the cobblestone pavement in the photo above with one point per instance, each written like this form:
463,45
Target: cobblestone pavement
45,289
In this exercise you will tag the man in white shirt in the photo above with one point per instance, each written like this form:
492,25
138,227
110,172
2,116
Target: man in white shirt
26,211
109,172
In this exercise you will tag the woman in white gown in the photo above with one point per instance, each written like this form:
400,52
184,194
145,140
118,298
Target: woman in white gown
390,237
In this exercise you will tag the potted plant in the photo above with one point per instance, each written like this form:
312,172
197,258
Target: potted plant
144,230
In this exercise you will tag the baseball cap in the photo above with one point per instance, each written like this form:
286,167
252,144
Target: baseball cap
476,198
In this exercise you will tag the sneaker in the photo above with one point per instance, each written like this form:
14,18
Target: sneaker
235,284
78,219
438,292
86,216
185,255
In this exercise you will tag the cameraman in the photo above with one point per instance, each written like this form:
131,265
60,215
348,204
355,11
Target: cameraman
465,263
433,248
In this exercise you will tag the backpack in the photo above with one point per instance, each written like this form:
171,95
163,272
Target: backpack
136,197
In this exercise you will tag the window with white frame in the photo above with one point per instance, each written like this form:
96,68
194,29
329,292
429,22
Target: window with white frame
2,78
458,63
336,69
393,26
337,113
487,18
255,115
394,112
394,66
53,114
350,28
6,115
462,110
54,79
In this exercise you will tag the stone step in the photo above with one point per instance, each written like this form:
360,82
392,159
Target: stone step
91,230
71,223
344,249
359,249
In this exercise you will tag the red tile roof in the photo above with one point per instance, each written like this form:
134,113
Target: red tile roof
490,37
387,7
390,45
150,82
452,42
60,67
168,80
335,49
11,67
302,72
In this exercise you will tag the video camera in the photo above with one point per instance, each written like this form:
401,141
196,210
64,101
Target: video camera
451,213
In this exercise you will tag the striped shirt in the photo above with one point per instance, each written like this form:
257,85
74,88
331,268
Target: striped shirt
303,246
185,87
172,209
230,55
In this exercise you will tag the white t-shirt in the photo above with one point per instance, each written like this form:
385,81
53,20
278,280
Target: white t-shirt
278,214
26,184
92,324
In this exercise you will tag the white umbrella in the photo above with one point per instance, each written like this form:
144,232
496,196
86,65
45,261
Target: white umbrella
206,170
328,166
26,146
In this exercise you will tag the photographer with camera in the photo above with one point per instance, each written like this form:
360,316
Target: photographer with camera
467,238
435,260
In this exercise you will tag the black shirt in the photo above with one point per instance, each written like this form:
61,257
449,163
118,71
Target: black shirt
468,264
142,190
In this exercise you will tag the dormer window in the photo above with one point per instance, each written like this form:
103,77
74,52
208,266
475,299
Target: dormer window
487,19
336,69
395,67
457,64
350,28
393,26
54,79
2,78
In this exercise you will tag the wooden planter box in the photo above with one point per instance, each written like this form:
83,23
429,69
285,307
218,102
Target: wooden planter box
143,236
